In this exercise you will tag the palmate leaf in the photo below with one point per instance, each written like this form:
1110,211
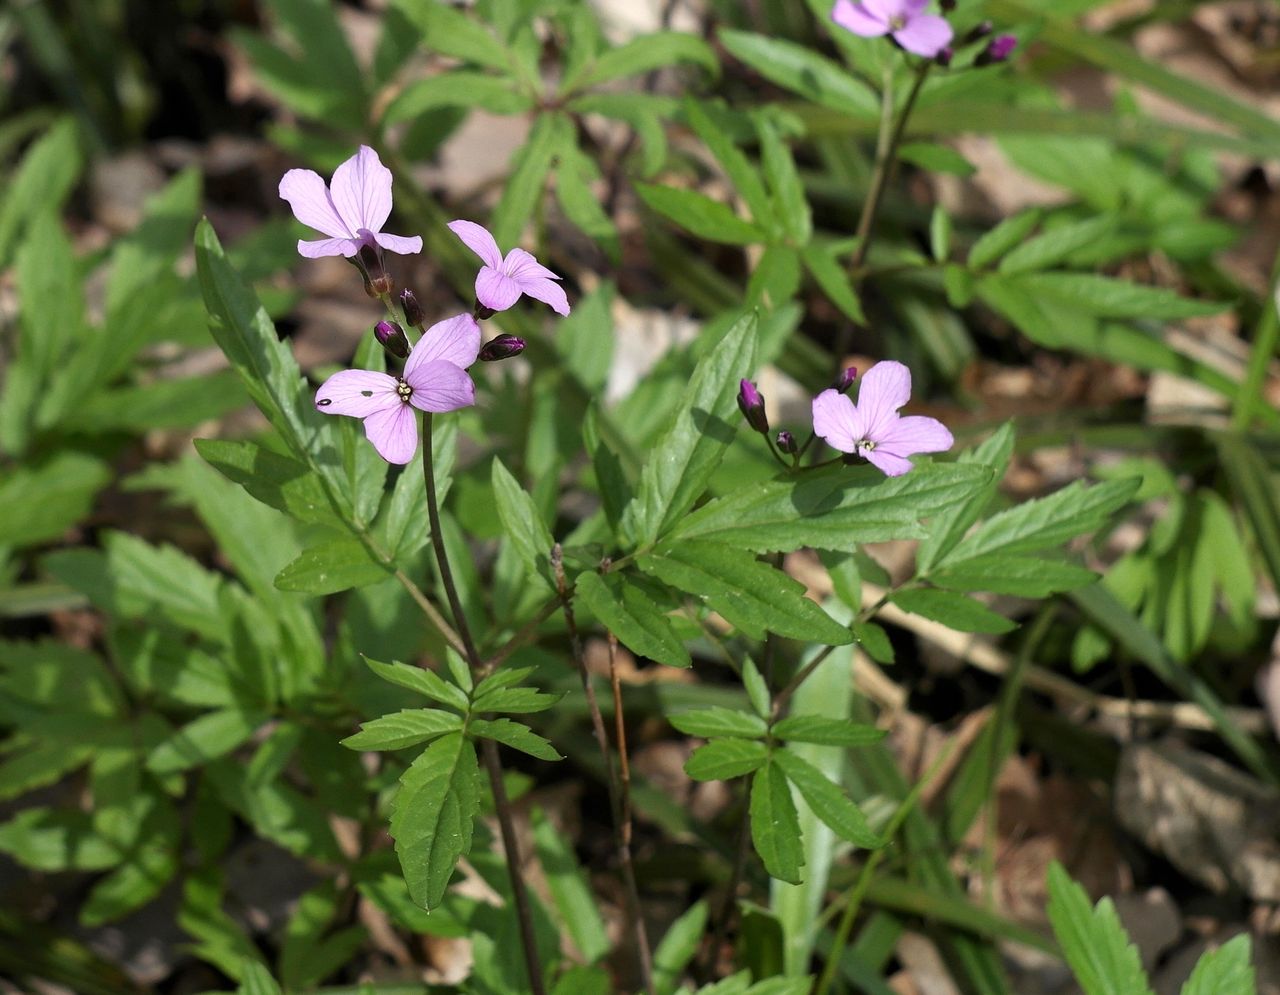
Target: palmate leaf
1093,940
434,814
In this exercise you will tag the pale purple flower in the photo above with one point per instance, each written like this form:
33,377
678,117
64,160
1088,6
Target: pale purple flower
872,428
501,281
434,379
351,210
913,29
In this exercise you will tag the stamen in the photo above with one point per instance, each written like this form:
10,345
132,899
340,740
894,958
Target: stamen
403,389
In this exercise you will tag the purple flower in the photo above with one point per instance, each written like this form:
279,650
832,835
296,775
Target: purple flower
501,281
872,428
351,210
913,29
434,379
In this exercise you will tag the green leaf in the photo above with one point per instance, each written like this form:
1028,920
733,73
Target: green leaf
828,800
570,888
775,827
648,52
255,979
1225,971
718,721
722,759
515,735
834,281
332,566
837,508
434,814
940,234
829,732
936,158
422,681
741,172
312,949
576,179
1025,576
138,880
45,839
953,610
699,214
527,179
449,31
1107,297
949,526
800,69
1010,232
524,526
681,942
275,480
43,498
629,613
520,701
785,184
1093,940
751,595
405,728
756,687
212,735
687,454
40,182
1056,244
458,88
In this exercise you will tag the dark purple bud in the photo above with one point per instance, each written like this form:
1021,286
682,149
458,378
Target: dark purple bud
947,5
501,347
392,338
377,281
944,56
977,32
845,380
998,50
482,313
752,406
787,442
412,309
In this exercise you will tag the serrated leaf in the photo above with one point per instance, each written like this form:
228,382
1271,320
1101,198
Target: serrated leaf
750,594
718,721
1093,940
45,497
740,170
949,526
528,176
837,508
1025,576
829,732
629,613
955,611
275,480
404,728
1002,238
802,70
874,641
648,52
212,735
524,526
722,759
518,701
834,281
1108,297
1225,971
1055,245
689,451
775,826
45,839
515,735
828,800
433,816
450,31
459,88
332,566
756,687
421,681
700,215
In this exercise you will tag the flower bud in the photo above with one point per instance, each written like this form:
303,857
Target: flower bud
787,442
482,313
998,50
377,281
947,5
944,56
412,309
845,380
501,347
977,32
752,406
392,338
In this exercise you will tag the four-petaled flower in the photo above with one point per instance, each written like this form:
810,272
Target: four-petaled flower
351,210
872,428
434,379
913,29
501,281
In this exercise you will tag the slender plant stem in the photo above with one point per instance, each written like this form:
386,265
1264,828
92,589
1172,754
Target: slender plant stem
488,748
619,790
1250,398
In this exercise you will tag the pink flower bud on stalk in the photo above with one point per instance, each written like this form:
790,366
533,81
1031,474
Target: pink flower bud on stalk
845,380
501,347
787,442
392,337
751,404
413,312
977,32
944,57
998,50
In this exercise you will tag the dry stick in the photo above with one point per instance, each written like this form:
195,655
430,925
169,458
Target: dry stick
488,749
619,810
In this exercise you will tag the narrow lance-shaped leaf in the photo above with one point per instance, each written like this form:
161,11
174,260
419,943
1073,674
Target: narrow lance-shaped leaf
1093,940
632,616
775,826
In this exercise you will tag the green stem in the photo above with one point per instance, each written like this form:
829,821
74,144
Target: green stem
1250,398
488,748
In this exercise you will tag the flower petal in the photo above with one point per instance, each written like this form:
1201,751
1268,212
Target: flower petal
924,34
455,340
309,199
495,290
890,464
857,18
835,420
406,245
479,241
441,386
329,247
393,432
883,390
912,8
521,266
359,393
361,191
916,434
549,292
